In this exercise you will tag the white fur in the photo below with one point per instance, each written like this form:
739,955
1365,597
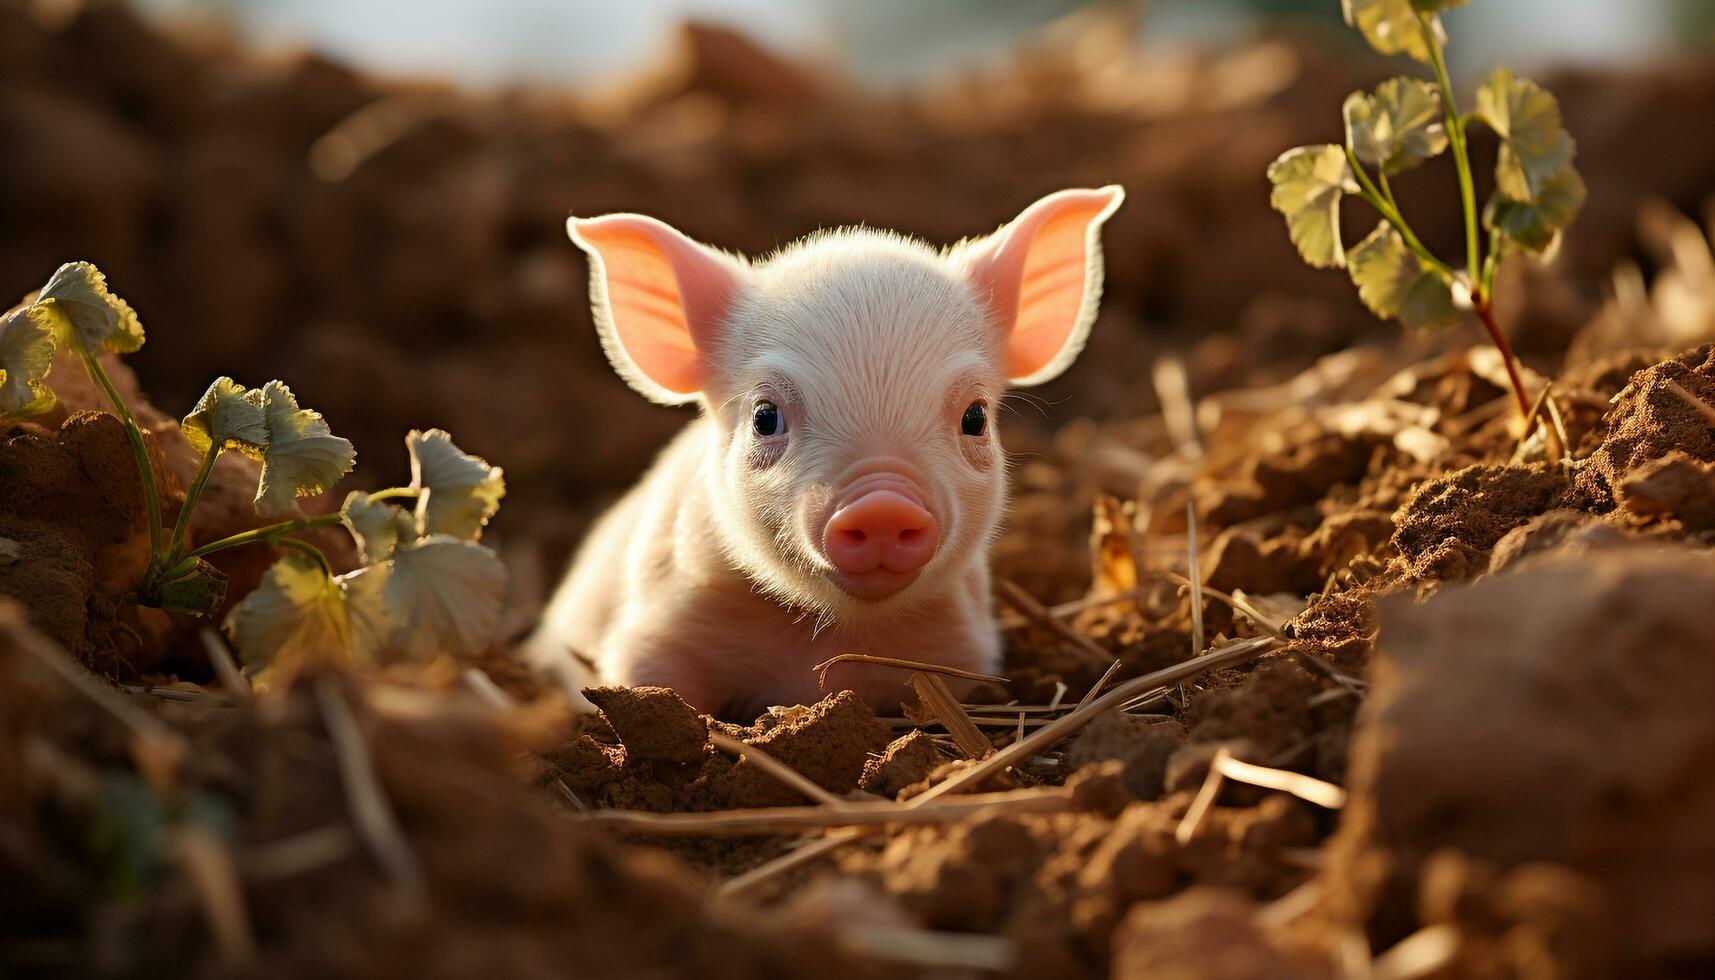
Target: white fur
709,577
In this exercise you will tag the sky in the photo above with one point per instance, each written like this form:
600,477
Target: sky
886,42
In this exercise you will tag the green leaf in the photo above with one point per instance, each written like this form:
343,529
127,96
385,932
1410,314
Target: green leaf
378,526
460,492
442,595
298,612
1398,127
1392,26
1436,6
1308,184
1532,226
228,415
302,458
89,317
1537,191
1393,283
198,592
26,354
1527,117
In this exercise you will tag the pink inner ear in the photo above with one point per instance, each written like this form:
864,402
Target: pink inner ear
1038,273
666,296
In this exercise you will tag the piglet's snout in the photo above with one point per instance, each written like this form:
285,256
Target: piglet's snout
881,529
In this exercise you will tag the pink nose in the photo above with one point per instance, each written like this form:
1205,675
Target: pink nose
881,531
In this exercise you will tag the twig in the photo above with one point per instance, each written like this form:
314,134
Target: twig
155,749
1238,605
932,691
207,864
483,685
141,723
1291,906
370,810
1068,725
177,694
1067,609
774,767
1194,572
1565,454
797,858
1334,673
1014,595
1224,766
981,721
1178,411
297,854
1703,407
935,951
769,821
1204,802
231,678
1419,954
1100,683
898,664
1307,788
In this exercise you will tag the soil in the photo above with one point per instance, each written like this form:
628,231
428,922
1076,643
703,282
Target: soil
1500,655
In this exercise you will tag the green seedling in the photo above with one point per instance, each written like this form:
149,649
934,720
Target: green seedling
427,585
1404,122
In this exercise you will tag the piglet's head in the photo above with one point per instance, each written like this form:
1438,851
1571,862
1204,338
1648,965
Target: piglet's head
852,381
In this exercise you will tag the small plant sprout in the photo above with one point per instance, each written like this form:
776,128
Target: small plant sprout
427,585
1404,122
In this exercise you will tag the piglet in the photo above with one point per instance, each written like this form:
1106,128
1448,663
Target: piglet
840,488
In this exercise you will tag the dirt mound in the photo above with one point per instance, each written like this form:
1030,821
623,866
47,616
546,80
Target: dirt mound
907,759
1524,719
484,875
1673,486
1447,528
665,761
1655,414
1204,934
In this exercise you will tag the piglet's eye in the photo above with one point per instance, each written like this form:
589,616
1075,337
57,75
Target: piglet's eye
975,420
765,419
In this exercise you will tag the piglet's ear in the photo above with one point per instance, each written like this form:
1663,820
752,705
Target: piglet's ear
1041,275
660,300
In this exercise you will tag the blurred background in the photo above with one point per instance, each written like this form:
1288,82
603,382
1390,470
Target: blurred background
367,199
887,42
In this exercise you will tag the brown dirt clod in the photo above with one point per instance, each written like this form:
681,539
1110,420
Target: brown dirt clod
1445,531
1524,719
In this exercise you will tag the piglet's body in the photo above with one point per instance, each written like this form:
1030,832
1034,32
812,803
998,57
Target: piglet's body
840,490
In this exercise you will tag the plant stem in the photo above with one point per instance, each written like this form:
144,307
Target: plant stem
1383,203
1456,139
308,549
1491,262
1387,191
175,543
139,449
266,534
395,493
1486,313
